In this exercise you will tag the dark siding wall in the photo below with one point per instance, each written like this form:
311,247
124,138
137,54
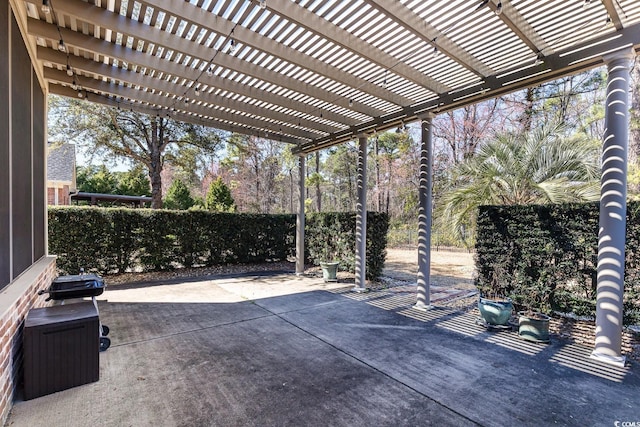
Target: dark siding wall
5,259
39,175
21,185
22,155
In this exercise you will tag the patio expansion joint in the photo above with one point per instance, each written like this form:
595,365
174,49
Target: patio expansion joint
190,331
296,310
367,364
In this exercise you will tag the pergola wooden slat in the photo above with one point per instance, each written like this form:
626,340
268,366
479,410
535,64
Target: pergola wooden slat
316,73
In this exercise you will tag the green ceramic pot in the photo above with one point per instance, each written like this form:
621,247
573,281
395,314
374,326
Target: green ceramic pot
495,312
329,271
533,327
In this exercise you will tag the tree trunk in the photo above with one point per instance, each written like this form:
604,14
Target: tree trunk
318,195
377,157
453,140
527,116
634,135
388,195
155,167
257,195
291,190
351,199
306,175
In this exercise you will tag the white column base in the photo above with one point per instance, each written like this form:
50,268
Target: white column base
422,306
359,289
612,360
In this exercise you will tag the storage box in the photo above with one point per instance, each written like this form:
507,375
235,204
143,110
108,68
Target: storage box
61,348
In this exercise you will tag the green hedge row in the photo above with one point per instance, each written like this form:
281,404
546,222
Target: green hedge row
117,240
331,236
110,240
545,257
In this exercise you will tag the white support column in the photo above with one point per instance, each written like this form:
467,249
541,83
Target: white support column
361,216
300,220
613,212
423,298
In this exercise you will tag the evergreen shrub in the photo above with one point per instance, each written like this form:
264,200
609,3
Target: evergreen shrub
333,235
116,240
544,257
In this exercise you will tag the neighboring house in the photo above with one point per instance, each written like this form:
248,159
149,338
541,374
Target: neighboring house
61,173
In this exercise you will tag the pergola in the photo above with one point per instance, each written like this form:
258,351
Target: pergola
315,73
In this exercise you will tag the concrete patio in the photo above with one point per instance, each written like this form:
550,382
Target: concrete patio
286,350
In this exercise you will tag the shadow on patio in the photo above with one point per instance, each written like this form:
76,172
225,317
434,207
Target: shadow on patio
224,352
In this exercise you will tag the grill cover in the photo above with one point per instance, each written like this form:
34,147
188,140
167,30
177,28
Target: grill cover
76,286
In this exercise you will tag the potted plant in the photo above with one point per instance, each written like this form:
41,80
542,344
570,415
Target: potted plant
326,244
495,312
533,326
494,306
330,271
535,299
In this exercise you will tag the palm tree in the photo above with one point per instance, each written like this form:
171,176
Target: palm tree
543,166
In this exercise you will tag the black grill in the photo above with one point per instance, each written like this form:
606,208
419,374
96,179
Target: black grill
80,286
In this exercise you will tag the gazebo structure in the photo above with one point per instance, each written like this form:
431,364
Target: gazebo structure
312,73
112,199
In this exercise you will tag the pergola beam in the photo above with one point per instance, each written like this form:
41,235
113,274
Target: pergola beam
166,101
401,14
584,56
520,27
105,18
612,11
338,36
319,125
145,109
101,70
122,53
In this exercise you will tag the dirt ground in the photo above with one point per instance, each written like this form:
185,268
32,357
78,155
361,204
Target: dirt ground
448,268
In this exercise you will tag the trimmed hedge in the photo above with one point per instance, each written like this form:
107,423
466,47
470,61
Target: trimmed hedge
115,240
545,257
334,232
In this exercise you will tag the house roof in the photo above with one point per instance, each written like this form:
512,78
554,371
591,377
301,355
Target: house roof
61,162
317,72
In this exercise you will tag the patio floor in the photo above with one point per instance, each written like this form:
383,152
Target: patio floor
286,350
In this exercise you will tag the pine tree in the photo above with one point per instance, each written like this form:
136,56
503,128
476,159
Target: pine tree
178,196
219,197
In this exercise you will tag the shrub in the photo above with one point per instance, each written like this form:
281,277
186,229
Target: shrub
343,248
545,257
114,240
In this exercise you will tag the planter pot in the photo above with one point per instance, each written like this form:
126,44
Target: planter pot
533,327
495,312
329,271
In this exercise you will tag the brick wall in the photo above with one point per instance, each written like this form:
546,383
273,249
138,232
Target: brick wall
63,196
15,301
51,196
